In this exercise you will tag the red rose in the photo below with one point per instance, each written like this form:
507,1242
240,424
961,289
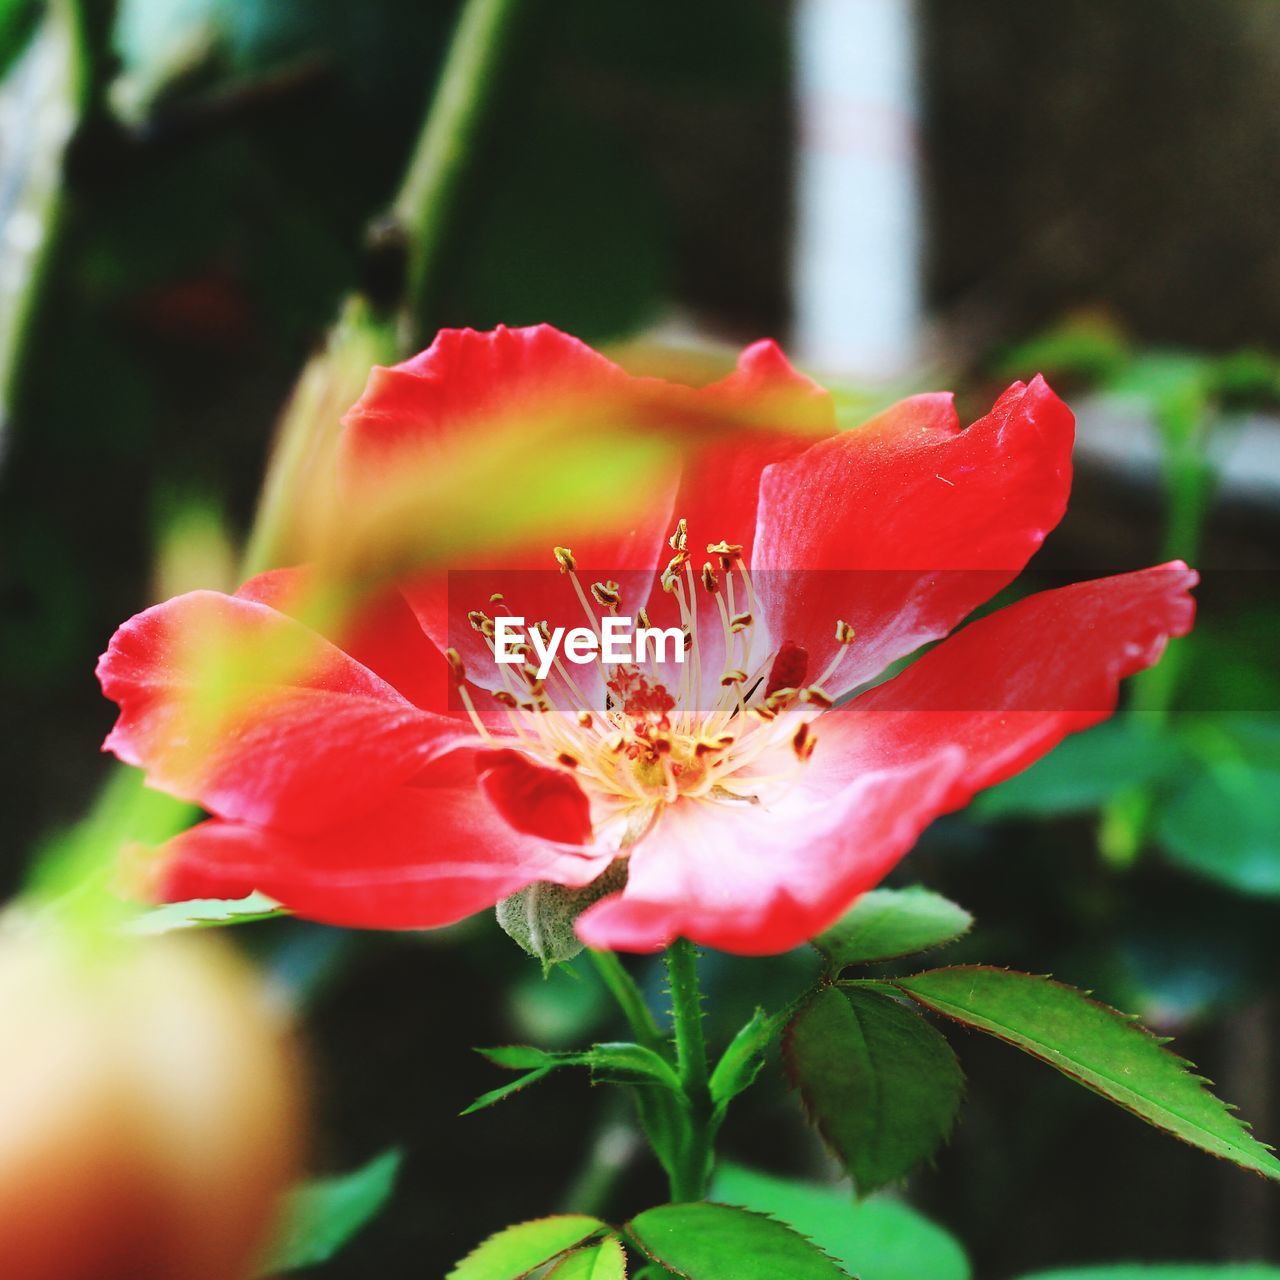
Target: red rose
751,804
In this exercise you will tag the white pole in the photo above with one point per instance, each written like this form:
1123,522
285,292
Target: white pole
856,267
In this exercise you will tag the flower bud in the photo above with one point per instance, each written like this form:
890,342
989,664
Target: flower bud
541,917
149,1111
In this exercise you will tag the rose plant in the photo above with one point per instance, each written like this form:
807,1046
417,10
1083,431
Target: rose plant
748,798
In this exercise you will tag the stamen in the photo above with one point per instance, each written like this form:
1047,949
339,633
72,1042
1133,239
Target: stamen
679,541
817,697
606,594
564,558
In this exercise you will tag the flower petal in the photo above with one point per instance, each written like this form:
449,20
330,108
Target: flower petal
243,710
778,413
533,798
757,880
384,636
905,525
1007,688
429,855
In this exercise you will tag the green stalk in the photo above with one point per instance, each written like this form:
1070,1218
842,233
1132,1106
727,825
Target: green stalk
1189,480
422,208
362,335
693,1164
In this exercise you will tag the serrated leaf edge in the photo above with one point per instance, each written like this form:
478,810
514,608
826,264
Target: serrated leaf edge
1131,1019
550,1217
738,1208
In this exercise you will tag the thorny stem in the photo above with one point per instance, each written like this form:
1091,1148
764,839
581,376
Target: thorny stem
693,1165
421,210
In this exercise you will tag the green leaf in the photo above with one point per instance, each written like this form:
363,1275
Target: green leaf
603,1261
621,1062
741,1061
1222,823
322,1216
513,1253
1085,771
1164,1271
880,1083
206,913
1099,1048
717,1242
892,922
506,1090
876,1239
611,1062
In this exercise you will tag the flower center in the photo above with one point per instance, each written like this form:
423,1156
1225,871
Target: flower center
730,723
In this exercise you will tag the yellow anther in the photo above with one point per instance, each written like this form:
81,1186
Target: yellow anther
568,760
733,676
544,630
762,712
497,598
642,616
606,594
614,743
564,558
505,698
740,622
709,579
817,697
456,667
585,719
477,619
844,632
780,698
729,552
803,742
679,541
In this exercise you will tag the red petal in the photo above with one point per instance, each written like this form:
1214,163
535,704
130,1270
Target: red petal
533,798
237,707
428,856
777,414
384,636
464,383
756,880
468,381
1006,689
903,526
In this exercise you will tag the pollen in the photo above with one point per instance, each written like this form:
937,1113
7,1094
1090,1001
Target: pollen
730,728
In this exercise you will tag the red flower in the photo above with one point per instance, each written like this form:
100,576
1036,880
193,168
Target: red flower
751,811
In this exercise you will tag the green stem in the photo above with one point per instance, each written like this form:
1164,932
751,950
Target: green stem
1189,484
422,208
622,986
693,1165
362,336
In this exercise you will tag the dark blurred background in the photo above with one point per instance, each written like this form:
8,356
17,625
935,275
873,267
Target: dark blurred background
642,172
